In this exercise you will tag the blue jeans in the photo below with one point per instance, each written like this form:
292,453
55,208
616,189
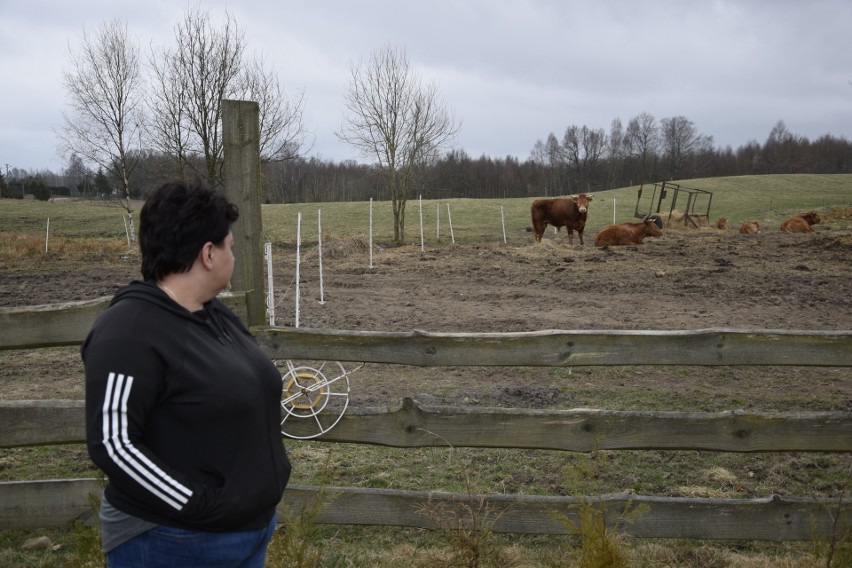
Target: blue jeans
167,547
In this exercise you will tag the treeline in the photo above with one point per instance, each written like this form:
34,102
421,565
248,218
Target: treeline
583,160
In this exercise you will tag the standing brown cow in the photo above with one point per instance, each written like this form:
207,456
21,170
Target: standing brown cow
627,233
750,227
561,212
801,223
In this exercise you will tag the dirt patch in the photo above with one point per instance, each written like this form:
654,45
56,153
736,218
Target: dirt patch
682,280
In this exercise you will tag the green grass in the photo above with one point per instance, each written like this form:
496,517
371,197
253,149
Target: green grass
68,218
770,199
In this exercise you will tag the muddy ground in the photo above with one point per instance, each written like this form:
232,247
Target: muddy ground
685,279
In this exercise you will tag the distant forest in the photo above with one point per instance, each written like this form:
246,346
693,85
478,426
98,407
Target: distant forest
582,160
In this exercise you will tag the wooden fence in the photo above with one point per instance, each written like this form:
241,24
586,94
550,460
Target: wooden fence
57,503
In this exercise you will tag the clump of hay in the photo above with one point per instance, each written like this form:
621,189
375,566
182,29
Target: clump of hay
838,213
345,247
720,475
721,483
674,222
700,491
558,245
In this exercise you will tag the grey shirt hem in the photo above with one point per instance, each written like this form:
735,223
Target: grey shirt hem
117,527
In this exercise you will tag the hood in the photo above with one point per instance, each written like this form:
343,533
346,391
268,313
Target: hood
210,317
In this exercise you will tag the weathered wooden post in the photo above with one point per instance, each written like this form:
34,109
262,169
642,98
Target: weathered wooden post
241,175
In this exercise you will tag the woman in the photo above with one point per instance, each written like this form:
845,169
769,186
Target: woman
182,407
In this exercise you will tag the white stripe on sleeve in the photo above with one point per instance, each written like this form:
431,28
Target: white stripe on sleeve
127,456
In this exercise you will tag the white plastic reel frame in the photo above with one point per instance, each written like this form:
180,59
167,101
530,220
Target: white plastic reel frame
318,394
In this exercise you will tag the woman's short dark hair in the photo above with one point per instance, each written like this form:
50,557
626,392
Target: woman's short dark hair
178,218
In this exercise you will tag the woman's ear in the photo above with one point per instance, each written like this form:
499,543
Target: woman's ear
206,255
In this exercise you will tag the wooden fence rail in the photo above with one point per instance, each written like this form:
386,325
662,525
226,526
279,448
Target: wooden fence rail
49,422
67,324
56,503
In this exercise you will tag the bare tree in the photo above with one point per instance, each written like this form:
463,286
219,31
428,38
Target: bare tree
282,132
104,122
583,147
397,120
550,159
681,142
192,80
539,157
642,141
782,150
558,165
77,175
168,128
615,152
206,66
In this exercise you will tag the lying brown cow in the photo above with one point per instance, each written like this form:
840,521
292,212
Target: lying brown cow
801,223
722,224
560,212
627,233
750,227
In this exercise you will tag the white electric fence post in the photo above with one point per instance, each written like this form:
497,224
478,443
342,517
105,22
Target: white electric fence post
371,232
503,223
420,204
319,250
438,222
613,210
298,260
450,221
46,235
270,293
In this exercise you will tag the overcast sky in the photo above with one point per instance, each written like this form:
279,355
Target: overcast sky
511,71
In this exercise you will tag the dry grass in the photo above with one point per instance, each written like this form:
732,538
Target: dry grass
23,248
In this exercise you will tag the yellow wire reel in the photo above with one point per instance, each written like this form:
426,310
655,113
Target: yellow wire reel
313,398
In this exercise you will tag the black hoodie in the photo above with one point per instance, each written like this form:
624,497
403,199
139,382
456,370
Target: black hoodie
183,414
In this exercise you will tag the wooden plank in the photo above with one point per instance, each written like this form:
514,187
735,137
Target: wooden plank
29,423
563,348
41,422
51,504
773,518
48,325
68,324
241,170
57,503
54,325
584,430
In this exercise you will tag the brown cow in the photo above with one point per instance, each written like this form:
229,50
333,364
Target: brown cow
801,223
561,212
750,227
627,233
722,224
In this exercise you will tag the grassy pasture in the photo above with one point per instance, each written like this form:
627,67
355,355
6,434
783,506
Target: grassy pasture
79,229
768,199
